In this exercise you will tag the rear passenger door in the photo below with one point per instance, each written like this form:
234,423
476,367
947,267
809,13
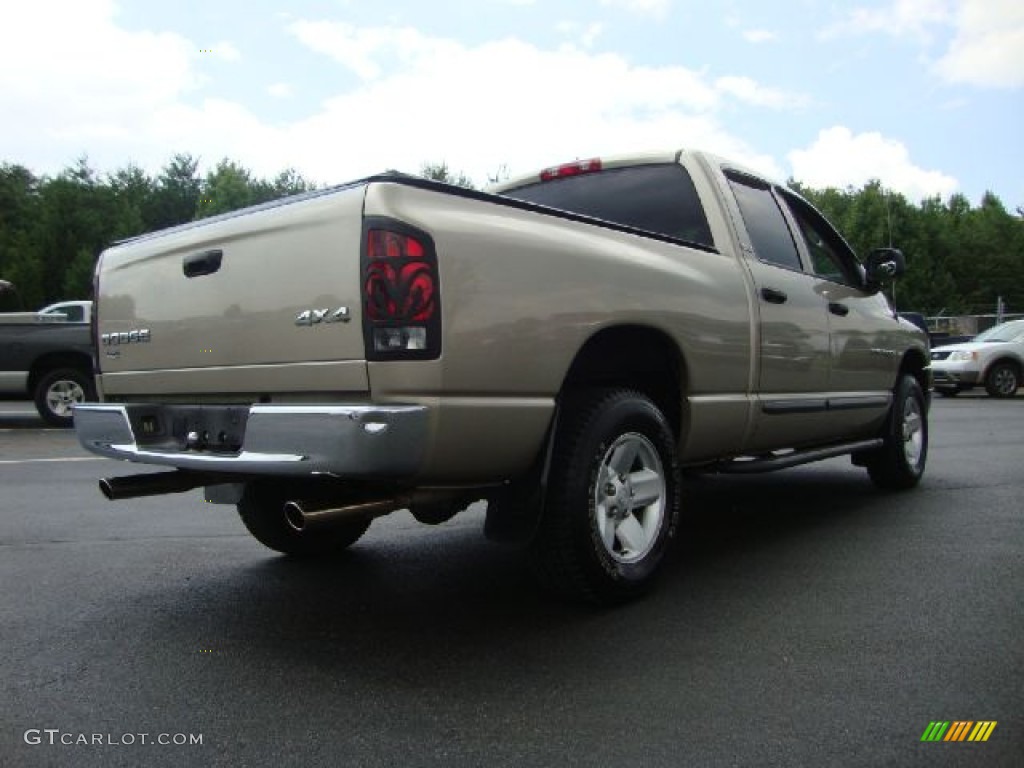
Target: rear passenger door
794,360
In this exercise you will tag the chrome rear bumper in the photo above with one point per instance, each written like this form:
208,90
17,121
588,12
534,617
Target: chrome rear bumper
298,440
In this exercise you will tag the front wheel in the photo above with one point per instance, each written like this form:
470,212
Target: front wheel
899,463
59,391
613,498
1002,380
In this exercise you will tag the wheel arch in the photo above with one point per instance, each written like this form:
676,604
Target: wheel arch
916,364
1004,359
54,360
638,357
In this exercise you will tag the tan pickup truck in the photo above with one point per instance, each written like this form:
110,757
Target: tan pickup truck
562,347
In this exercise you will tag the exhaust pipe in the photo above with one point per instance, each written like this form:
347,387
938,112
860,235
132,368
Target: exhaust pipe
304,515
133,486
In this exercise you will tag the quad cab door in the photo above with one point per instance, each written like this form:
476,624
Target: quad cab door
828,356
863,328
794,357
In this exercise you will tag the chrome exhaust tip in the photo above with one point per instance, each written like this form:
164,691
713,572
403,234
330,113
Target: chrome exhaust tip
295,516
152,484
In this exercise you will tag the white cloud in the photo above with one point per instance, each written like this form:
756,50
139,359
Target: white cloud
838,158
657,9
510,66
988,48
507,102
987,44
358,48
750,91
540,108
138,96
901,18
759,36
68,75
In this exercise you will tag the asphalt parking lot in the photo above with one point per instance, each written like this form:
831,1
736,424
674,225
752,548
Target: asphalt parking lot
806,619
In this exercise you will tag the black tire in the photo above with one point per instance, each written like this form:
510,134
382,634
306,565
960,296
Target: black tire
948,391
261,510
58,391
595,542
1002,380
899,463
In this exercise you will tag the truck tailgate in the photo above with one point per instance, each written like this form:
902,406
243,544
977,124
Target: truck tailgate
232,293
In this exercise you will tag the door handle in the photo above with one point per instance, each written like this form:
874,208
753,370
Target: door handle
773,296
205,263
838,309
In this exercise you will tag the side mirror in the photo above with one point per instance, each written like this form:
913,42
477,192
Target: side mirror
882,265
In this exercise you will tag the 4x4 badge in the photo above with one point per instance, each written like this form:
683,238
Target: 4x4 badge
314,316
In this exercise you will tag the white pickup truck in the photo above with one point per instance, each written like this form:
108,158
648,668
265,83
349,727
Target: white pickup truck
561,347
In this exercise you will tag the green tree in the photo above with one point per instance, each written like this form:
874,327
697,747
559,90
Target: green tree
132,190
929,286
441,172
994,242
19,255
78,212
174,198
227,187
960,258
291,182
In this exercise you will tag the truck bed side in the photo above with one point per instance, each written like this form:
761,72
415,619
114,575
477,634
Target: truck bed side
522,293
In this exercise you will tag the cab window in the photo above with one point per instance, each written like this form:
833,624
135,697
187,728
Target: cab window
769,234
831,257
657,198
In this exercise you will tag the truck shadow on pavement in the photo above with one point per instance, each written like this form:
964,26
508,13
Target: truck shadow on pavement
432,607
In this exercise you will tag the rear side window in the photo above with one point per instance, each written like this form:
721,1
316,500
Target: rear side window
654,198
769,233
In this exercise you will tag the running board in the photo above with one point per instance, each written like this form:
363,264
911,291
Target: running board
773,461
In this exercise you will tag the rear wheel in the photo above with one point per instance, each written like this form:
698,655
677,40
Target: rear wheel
262,511
1002,380
57,392
613,498
899,463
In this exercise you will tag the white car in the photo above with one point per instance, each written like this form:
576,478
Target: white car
994,358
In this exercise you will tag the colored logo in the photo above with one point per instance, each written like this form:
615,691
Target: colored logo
958,730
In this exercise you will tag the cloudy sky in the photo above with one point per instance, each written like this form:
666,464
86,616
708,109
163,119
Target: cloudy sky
926,95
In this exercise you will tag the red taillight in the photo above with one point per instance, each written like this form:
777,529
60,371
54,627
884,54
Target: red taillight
571,169
399,293
401,302
382,244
